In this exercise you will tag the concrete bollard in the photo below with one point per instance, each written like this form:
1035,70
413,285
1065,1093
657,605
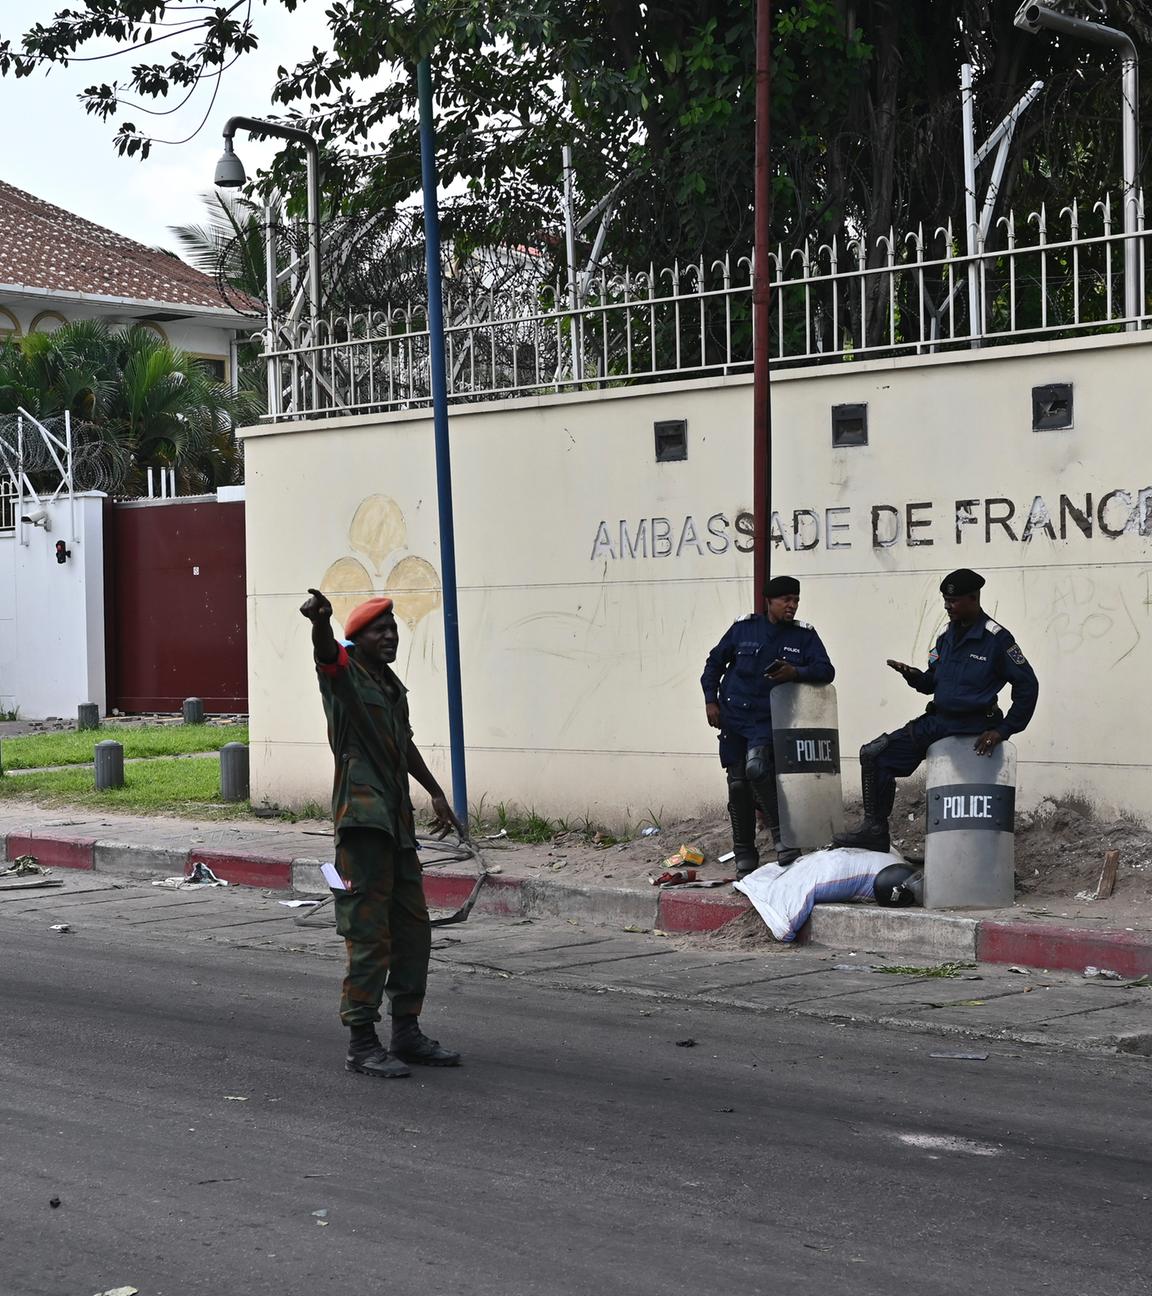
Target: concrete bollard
806,744
87,716
193,711
969,840
109,756
234,772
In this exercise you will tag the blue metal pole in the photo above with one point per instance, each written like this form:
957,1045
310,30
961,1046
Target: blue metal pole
443,447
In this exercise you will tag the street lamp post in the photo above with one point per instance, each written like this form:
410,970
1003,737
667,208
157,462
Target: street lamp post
230,175
1034,18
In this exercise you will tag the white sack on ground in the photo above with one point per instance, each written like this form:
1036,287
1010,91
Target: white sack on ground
784,896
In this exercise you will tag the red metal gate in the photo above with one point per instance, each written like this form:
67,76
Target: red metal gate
175,613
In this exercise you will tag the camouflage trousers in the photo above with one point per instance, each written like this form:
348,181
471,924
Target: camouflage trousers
383,918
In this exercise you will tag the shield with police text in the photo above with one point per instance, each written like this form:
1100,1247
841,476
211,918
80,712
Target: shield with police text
969,841
806,745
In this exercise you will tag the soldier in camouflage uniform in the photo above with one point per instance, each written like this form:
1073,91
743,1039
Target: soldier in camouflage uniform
382,915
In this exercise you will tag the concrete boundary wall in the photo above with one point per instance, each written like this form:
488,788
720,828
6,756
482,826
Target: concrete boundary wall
593,579
52,643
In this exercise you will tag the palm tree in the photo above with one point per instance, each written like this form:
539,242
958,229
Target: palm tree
136,403
229,246
48,373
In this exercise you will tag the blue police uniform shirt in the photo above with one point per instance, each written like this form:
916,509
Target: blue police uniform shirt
971,664
734,674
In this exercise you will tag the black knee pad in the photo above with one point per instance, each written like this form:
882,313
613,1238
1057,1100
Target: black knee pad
759,765
873,749
738,785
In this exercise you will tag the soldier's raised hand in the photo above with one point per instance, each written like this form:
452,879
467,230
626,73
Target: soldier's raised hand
902,668
317,608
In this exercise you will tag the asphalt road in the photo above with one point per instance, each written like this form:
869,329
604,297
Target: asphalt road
578,1151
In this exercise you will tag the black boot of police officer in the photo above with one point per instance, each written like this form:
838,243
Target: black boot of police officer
747,789
879,796
742,815
760,769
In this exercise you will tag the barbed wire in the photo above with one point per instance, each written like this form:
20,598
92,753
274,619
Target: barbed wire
1067,146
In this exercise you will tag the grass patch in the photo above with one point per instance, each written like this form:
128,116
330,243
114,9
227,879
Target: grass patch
186,787
938,970
294,814
532,828
33,751
524,826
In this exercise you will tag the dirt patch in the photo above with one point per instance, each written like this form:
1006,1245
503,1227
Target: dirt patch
1060,848
746,932
1059,853
628,863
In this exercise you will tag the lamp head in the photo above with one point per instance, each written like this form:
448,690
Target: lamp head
229,170
1027,17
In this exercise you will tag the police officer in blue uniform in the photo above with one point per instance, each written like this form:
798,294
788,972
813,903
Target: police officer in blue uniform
760,651
972,661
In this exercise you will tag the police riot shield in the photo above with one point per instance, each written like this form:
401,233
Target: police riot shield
806,744
969,841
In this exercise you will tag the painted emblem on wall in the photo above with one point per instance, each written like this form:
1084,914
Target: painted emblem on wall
378,532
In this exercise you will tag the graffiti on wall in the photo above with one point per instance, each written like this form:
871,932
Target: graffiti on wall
378,532
1109,515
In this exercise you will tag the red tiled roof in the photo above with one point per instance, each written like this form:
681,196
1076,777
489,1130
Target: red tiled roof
46,247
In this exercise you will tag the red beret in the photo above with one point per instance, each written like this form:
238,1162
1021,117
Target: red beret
364,614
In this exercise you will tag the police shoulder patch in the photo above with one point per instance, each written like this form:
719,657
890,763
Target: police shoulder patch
748,616
804,625
993,627
1014,654
933,656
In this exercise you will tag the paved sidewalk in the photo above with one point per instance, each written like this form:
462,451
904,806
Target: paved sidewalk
287,857
984,1003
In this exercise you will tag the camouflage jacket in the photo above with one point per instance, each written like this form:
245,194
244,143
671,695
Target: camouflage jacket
369,734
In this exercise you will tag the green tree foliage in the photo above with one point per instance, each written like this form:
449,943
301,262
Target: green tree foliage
655,98
135,403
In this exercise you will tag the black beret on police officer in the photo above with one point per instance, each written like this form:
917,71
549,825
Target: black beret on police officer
758,653
970,664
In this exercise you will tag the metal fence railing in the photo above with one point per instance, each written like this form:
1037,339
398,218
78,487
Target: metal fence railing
1047,276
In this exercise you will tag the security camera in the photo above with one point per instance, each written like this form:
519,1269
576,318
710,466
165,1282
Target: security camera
38,519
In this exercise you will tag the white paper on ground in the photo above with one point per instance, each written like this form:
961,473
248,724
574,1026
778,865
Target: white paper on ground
784,897
298,904
334,880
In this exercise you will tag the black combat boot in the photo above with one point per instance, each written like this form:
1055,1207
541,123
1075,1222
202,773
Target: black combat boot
869,834
762,780
785,855
872,832
410,1044
742,813
369,1057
